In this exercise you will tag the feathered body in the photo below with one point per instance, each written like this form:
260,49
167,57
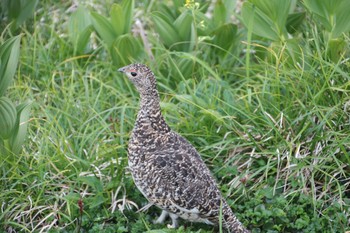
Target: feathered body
166,168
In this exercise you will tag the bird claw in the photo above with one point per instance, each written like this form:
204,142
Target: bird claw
163,216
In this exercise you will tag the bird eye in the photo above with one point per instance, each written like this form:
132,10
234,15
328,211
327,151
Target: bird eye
133,74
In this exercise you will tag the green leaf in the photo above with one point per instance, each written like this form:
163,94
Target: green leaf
95,201
79,29
183,25
20,10
276,10
83,40
178,3
93,182
7,117
186,30
117,18
185,66
9,55
126,49
294,21
261,25
165,29
336,49
324,8
128,8
334,15
219,13
222,12
269,18
294,52
342,17
224,38
104,28
3,149
319,9
20,131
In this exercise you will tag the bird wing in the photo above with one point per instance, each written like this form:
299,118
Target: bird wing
182,179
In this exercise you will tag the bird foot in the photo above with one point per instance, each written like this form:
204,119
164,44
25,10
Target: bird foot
174,218
161,218
164,215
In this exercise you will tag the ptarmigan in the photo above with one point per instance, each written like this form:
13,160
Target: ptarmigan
166,168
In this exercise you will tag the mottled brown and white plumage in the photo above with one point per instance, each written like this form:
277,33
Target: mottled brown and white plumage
166,168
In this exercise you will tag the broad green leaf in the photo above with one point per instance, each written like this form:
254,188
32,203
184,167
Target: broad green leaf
178,3
7,117
294,21
117,19
269,18
26,10
219,13
342,17
79,29
193,38
104,28
319,9
20,10
126,49
224,38
128,8
324,8
83,40
276,10
185,66
336,49
183,25
9,55
167,11
262,25
165,29
223,11
3,149
334,15
20,130
78,21
186,30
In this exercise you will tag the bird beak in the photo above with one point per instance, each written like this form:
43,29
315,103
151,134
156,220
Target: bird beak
122,69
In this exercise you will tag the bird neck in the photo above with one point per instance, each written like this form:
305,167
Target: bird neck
149,103
150,112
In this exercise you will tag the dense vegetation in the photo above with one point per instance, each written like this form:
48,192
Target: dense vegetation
261,89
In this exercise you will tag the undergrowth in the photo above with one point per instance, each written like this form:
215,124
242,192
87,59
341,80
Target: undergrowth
274,133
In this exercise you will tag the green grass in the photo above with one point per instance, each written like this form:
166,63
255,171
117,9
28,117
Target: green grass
277,141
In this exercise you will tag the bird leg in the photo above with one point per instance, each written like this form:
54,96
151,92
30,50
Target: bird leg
174,218
164,215
161,218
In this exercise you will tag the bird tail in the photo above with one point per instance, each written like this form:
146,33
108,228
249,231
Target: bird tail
231,222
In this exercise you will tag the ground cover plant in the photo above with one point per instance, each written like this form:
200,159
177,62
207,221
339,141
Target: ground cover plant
261,88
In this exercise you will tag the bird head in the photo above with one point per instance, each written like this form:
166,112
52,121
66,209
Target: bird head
141,76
